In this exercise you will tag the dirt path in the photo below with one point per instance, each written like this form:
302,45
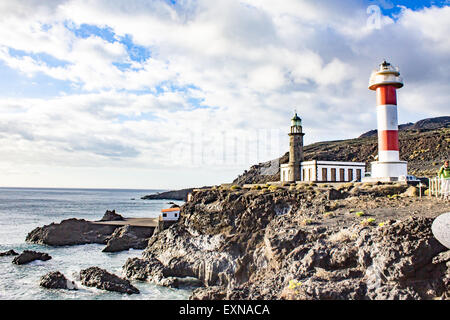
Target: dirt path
382,209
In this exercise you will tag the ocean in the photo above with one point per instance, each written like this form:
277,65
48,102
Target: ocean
23,209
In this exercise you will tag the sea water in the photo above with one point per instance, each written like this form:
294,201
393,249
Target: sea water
23,209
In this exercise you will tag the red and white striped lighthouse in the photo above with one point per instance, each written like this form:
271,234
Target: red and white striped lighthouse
385,81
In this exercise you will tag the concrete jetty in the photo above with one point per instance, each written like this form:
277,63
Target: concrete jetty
134,222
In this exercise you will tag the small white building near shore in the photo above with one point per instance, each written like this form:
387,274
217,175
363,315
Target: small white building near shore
170,214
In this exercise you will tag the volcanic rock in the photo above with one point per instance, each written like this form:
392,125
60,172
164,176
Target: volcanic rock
169,195
411,192
111,216
56,280
28,256
152,270
71,232
209,293
255,244
102,279
8,253
128,237
333,194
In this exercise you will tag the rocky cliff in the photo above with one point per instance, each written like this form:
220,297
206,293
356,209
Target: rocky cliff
302,242
424,144
169,195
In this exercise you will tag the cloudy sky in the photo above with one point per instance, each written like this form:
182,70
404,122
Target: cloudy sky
167,94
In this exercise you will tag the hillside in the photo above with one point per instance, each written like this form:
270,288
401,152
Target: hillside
424,144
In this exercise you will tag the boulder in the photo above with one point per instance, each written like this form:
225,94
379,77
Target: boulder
149,269
8,253
56,280
102,279
333,194
111,216
128,237
152,270
441,229
71,232
411,192
181,258
28,256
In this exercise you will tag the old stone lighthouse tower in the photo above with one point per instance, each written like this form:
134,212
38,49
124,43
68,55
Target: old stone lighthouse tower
295,149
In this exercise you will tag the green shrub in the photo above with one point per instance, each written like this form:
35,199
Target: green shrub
360,213
368,221
235,187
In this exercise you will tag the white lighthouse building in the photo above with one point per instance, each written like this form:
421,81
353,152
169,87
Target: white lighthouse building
385,81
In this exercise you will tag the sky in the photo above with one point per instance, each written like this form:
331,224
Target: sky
169,94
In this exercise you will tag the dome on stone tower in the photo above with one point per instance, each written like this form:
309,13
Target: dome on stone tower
296,121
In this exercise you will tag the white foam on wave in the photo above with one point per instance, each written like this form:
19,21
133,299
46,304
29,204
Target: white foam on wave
36,263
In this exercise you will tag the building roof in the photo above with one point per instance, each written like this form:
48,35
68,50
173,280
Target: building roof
170,210
296,117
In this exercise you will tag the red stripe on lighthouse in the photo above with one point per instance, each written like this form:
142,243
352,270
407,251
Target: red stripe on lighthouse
386,95
388,140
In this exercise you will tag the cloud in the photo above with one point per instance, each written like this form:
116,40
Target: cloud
156,85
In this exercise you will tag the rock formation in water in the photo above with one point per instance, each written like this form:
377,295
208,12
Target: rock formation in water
360,241
169,195
102,279
28,256
8,253
111,216
78,231
56,280
71,232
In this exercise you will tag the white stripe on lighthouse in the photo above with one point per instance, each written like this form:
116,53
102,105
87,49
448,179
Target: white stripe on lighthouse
387,120
387,117
388,155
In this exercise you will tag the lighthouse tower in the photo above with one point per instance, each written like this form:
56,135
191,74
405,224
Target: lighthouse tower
295,149
385,81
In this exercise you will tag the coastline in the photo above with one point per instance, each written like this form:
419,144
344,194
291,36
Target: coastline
303,241
24,209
